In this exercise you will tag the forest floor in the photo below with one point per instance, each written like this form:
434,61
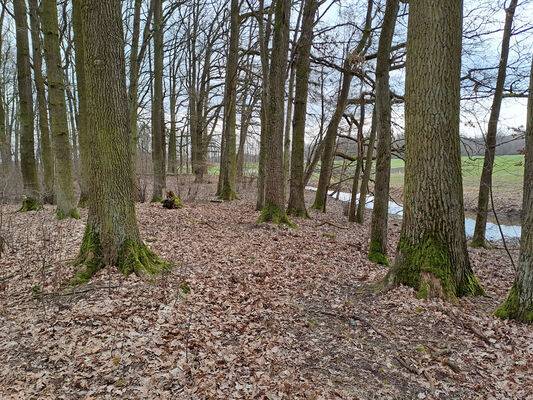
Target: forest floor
248,311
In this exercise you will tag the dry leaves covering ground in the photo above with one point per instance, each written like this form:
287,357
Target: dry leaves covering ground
248,312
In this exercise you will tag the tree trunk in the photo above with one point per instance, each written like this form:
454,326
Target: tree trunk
64,185
274,209
111,235
380,213
82,101
328,153
27,156
158,159
485,184
46,146
296,204
229,162
359,216
519,303
432,255
359,163
264,38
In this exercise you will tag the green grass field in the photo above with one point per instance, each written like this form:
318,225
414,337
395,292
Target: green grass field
508,172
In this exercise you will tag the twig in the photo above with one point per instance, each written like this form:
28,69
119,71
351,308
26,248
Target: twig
408,367
332,224
431,381
64,294
469,326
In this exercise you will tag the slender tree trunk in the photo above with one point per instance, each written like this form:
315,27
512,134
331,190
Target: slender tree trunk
64,185
82,102
485,184
4,149
111,235
46,146
380,213
432,255
359,162
158,159
274,209
519,303
28,165
264,38
296,204
229,162
361,205
328,153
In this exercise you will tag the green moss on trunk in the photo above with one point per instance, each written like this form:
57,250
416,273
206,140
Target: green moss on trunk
228,193
511,309
138,258
376,256
427,267
132,258
172,201
61,215
298,213
30,204
83,201
479,244
272,213
90,257
319,205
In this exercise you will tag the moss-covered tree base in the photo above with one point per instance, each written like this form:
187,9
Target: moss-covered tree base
376,255
512,309
272,213
479,244
30,204
228,194
298,213
60,214
427,267
379,258
319,205
132,258
83,201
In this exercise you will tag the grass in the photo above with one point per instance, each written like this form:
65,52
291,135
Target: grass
508,173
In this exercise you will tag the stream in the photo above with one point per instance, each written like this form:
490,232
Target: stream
510,232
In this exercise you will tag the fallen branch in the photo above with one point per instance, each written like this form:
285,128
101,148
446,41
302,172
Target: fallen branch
469,326
332,224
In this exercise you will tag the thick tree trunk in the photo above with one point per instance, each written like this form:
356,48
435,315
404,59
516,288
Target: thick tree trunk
46,146
111,235
158,159
485,184
296,204
328,153
519,303
380,213
274,208
28,165
368,169
64,185
228,163
432,255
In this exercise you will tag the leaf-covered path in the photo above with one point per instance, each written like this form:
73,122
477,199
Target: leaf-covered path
249,311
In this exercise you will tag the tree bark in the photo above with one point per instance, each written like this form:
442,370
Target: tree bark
46,146
274,209
228,163
485,184
158,143
64,184
380,213
359,163
27,156
111,235
432,255
519,303
82,101
361,205
296,204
